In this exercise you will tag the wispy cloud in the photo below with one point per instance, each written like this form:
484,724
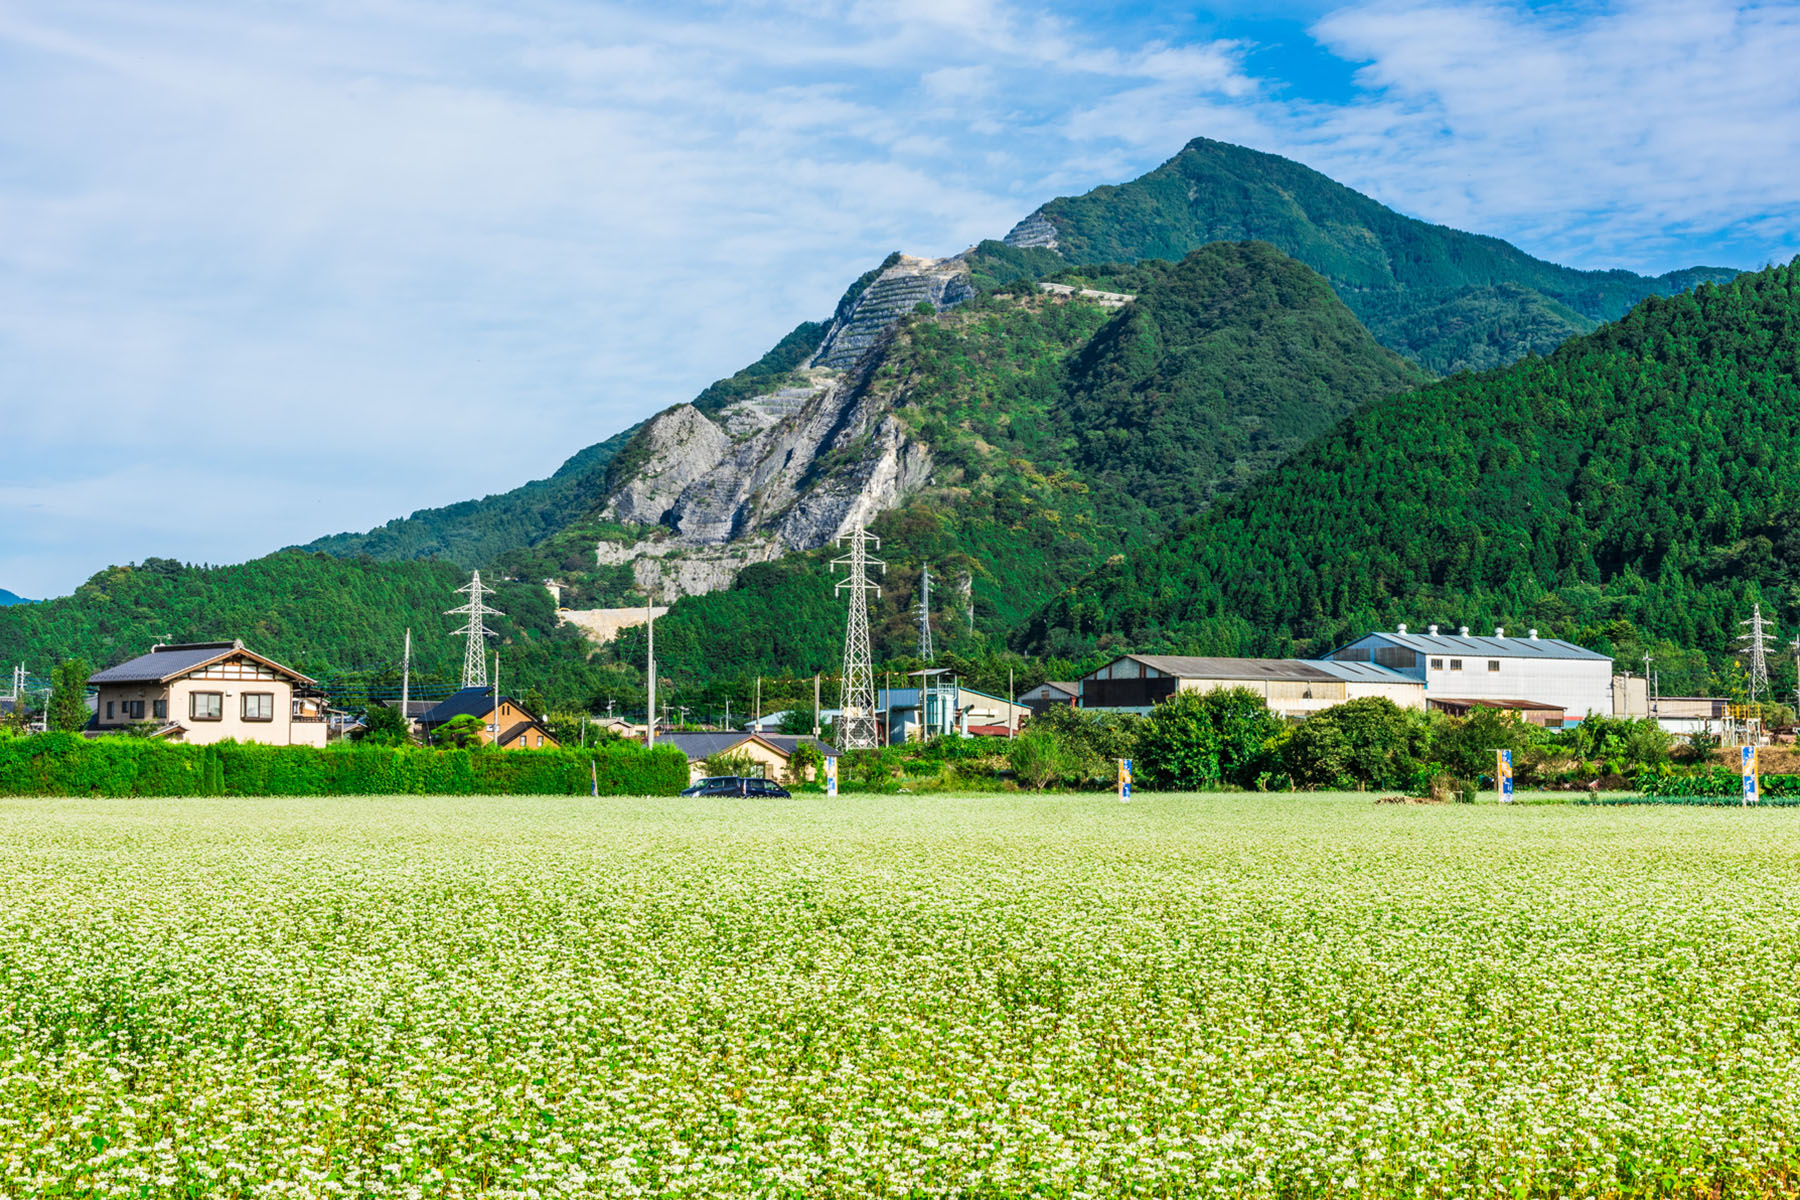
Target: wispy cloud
400,252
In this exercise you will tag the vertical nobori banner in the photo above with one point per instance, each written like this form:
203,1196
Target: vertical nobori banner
1503,775
831,777
1124,779
1750,789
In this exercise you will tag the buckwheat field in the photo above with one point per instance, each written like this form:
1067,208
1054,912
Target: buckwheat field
1200,995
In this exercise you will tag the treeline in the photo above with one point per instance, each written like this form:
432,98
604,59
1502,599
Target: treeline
1640,481
65,764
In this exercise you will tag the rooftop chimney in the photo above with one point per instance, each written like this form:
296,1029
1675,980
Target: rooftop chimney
1464,631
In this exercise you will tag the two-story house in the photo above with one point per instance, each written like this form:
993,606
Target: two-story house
204,692
502,718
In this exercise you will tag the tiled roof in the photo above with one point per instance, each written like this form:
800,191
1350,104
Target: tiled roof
164,663
787,744
469,702
703,745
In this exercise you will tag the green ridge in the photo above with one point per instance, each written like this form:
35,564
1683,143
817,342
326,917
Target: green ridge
1449,299
1641,483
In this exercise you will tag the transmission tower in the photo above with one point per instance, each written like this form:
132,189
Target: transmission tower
475,672
1756,645
925,651
856,727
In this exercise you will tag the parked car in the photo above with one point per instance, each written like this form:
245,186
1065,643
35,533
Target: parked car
734,785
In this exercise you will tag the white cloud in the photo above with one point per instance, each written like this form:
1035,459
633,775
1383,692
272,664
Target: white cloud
424,249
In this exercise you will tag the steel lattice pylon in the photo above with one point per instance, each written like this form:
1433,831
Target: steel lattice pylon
925,650
857,725
1756,645
475,673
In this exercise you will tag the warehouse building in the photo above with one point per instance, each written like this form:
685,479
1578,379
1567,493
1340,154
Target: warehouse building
1545,673
1291,687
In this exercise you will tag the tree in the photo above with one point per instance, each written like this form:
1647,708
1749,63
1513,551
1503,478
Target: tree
804,763
1037,757
461,731
1196,739
68,696
385,726
1368,742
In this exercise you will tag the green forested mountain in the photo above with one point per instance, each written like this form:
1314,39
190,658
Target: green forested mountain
1450,300
1063,432
325,616
7,597
1643,482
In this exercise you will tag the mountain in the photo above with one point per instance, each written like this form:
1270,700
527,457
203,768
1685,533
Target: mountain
7,597
1641,483
342,620
1449,300
1013,442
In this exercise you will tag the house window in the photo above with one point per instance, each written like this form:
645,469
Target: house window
1456,664
1437,664
132,710
1493,664
206,706
159,709
259,706
109,710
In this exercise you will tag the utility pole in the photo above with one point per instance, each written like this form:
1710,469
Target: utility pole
496,728
815,704
650,672
728,714
406,685
1010,721
1756,646
475,653
856,723
757,723
925,651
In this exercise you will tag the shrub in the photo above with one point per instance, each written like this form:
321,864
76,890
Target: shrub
1366,743
1197,739
61,764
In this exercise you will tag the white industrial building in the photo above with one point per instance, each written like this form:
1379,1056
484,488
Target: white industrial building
1291,687
1460,667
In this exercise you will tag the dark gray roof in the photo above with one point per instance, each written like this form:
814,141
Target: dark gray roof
703,745
164,663
787,744
1498,647
414,708
468,702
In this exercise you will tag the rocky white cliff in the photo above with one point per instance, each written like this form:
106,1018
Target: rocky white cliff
790,470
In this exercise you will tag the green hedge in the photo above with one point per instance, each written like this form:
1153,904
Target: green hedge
66,764
1715,783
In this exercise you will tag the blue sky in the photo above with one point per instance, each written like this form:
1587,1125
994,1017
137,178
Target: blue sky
278,270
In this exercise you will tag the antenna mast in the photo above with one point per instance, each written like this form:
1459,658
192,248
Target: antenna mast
925,651
856,727
475,672
1757,646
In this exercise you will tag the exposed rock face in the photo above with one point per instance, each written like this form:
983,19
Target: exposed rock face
602,625
944,282
787,471
1035,230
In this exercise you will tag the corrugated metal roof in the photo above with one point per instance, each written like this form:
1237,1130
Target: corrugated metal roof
1500,647
1185,667
1355,672
1523,705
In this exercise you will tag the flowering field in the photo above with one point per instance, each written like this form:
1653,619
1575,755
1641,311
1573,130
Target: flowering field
1225,995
